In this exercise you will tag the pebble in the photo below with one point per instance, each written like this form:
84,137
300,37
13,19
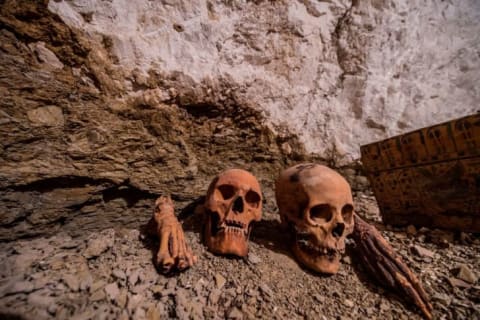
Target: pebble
133,301
97,296
411,230
99,243
85,280
421,251
119,274
458,283
219,280
153,313
72,282
347,260
214,296
72,244
444,299
349,303
253,258
121,299
462,272
40,299
172,283
235,313
112,291
133,277
266,290
97,285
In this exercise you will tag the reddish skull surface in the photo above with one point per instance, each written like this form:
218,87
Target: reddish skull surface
233,202
316,203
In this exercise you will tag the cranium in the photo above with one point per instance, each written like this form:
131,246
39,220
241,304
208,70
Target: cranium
316,203
233,202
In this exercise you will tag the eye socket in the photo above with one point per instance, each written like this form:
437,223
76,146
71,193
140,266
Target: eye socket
253,198
227,191
321,213
347,213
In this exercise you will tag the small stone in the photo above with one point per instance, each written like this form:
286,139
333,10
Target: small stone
253,258
214,296
347,259
99,243
69,244
97,295
72,282
319,298
119,274
464,273
85,280
219,280
140,288
384,306
172,283
133,278
349,303
121,299
153,313
444,299
156,289
133,302
49,116
139,313
421,251
52,309
112,291
97,285
266,290
40,299
458,283
45,56
411,230
234,313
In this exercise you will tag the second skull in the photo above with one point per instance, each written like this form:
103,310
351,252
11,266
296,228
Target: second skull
316,204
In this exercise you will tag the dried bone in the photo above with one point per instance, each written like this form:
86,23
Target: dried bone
173,253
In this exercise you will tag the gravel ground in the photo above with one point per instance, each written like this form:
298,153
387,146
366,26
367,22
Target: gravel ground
110,275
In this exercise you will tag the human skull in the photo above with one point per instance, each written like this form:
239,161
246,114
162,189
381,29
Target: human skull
233,202
316,203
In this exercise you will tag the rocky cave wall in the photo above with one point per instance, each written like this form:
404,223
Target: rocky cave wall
107,104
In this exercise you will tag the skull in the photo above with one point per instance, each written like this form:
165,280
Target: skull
316,203
233,202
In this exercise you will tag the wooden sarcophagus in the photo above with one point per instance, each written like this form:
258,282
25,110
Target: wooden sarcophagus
428,177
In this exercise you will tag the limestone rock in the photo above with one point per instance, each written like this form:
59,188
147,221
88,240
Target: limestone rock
46,116
46,56
99,243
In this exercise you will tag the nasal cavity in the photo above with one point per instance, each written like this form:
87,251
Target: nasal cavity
238,205
338,230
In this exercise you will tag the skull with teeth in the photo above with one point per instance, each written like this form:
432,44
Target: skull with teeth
233,202
316,204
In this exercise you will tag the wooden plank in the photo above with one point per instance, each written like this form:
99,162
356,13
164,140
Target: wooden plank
428,177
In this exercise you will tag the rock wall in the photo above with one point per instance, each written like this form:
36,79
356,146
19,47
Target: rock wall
108,104
336,73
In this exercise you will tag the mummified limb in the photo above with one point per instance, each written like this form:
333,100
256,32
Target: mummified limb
173,252
387,266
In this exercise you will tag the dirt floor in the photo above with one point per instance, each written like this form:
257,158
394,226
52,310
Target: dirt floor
110,275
